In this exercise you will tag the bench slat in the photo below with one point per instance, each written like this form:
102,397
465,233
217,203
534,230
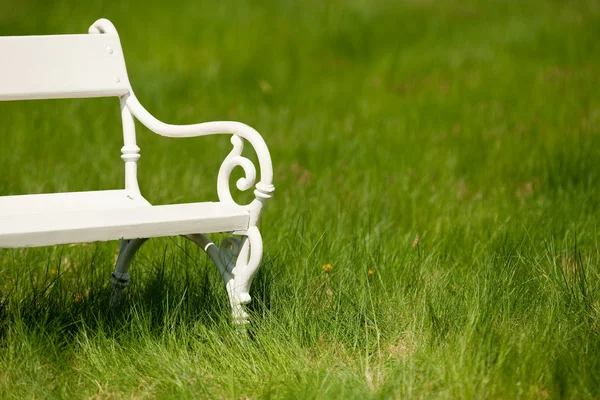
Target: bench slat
46,229
57,202
62,66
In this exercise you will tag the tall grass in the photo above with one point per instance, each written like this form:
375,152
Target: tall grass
442,157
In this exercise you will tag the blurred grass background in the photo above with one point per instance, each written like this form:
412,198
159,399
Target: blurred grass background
472,125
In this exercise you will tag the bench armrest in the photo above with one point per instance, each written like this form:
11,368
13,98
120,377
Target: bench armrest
239,131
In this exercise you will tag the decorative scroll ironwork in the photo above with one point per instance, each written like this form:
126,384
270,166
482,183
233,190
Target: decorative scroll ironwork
237,261
235,159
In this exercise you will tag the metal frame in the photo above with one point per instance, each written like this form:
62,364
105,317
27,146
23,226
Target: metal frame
236,260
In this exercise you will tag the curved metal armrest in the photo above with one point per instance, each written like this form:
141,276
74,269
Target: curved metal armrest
264,188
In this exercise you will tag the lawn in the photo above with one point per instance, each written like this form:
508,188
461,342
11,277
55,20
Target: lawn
442,157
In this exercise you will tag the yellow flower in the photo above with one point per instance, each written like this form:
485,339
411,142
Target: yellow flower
78,298
327,267
371,271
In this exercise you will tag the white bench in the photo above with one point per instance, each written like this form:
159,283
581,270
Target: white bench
92,65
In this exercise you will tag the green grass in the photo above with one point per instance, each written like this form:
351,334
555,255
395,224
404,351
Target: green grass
474,125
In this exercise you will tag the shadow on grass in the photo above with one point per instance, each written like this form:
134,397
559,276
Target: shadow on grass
165,298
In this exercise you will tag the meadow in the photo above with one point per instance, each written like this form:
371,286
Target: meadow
434,230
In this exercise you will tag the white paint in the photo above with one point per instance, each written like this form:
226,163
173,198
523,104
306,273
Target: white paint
62,66
77,226
71,66
77,201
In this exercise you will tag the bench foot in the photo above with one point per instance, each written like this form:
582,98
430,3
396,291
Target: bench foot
120,276
237,261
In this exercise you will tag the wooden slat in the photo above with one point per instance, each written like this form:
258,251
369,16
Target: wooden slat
44,229
61,66
60,202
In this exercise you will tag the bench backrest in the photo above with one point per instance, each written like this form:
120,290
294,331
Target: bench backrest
62,66
71,66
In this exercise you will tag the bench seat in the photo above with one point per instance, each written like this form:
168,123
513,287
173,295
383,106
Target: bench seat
61,218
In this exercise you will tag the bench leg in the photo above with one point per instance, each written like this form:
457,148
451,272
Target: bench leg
237,261
120,276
